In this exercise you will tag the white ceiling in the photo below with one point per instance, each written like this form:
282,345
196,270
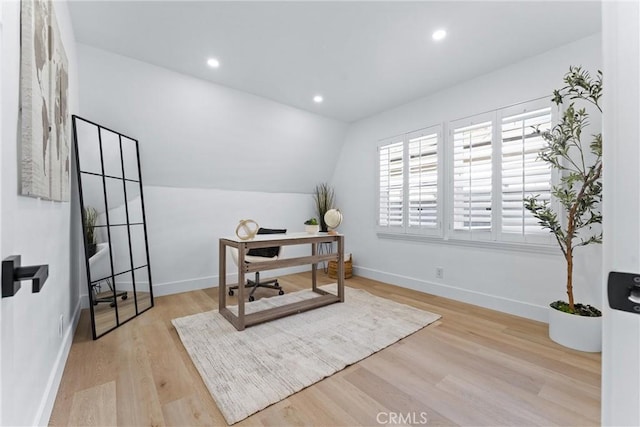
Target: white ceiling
363,57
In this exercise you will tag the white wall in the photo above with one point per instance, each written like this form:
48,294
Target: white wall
33,354
516,282
621,252
195,134
2,72
185,224
210,156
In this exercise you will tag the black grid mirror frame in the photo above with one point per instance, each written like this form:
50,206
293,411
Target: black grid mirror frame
113,218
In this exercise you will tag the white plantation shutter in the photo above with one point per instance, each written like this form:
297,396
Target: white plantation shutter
391,184
472,178
489,163
409,194
522,174
423,180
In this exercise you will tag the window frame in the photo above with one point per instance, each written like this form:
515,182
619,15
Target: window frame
542,237
406,228
444,232
478,235
384,143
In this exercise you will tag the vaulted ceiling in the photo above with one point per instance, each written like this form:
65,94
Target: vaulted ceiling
362,57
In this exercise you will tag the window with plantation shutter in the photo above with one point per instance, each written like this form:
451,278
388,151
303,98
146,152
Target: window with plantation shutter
469,187
409,197
391,184
522,174
472,178
423,180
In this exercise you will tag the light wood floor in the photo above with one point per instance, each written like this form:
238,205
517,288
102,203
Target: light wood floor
473,367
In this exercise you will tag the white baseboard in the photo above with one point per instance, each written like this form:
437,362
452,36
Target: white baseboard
505,305
169,288
176,287
51,391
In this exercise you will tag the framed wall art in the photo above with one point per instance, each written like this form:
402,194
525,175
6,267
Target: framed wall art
44,112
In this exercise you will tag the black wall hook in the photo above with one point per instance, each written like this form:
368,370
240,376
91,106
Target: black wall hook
13,274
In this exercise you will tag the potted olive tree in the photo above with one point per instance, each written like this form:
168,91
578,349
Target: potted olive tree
577,221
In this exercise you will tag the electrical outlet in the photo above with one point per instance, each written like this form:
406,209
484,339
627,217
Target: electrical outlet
439,273
60,325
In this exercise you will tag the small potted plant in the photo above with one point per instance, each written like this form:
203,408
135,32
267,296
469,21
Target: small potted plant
90,219
311,226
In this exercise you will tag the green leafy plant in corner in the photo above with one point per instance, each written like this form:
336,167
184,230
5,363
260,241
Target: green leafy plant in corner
90,219
311,221
579,191
324,197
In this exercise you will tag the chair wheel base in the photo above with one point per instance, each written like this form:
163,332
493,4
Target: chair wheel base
230,293
281,292
251,298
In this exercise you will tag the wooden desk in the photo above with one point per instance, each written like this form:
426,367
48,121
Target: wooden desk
267,240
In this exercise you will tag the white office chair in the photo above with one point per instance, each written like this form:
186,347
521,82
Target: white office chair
260,255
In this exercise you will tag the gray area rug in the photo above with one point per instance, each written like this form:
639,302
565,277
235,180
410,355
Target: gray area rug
246,371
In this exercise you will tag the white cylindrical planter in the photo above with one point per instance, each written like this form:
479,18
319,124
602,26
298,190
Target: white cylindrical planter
312,229
577,332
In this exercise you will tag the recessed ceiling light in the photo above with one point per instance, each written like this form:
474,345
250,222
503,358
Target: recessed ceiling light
318,99
213,63
439,35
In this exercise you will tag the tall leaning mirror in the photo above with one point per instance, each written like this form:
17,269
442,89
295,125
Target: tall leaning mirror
114,227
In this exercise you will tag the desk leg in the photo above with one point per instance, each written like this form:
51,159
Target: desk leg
222,276
314,268
341,268
241,252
